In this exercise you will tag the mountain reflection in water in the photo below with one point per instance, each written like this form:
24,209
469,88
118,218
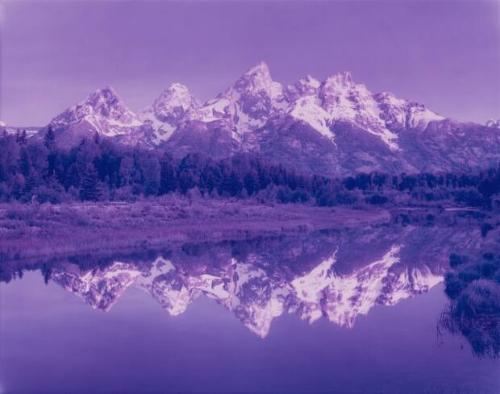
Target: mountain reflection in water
335,275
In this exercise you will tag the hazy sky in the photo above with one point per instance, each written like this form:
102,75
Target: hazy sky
445,54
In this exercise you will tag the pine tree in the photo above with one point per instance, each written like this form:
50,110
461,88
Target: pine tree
50,139
21,137
89,189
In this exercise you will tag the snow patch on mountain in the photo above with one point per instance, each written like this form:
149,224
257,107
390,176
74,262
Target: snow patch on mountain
308,110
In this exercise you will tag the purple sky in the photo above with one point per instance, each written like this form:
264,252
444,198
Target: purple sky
443,54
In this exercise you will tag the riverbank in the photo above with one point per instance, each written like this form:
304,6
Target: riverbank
37,231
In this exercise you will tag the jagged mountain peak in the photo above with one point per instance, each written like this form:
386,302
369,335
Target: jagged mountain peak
105,97
247,104
342,85
171,108
260,68
106,102
351,102
257,79
103,110
105,93
176,90
343,78
309,81
174,102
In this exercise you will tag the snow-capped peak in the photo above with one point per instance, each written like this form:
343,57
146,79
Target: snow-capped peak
259,68
257,77
103,110
173,103
106,103
348,101
257,80
169,110
248,103
104,98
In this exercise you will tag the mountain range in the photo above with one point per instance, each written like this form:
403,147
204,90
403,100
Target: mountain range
332,127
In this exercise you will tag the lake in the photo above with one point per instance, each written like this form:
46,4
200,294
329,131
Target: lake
345,311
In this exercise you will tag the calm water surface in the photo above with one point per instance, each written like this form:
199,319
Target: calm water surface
344,312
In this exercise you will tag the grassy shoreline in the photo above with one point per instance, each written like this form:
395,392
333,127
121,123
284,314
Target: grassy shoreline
36,231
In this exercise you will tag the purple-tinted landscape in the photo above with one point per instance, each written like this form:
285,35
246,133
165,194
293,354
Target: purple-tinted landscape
245,197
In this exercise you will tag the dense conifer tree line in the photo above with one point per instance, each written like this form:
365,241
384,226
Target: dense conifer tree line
34,169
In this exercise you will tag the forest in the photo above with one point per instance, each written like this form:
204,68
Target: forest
36,170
